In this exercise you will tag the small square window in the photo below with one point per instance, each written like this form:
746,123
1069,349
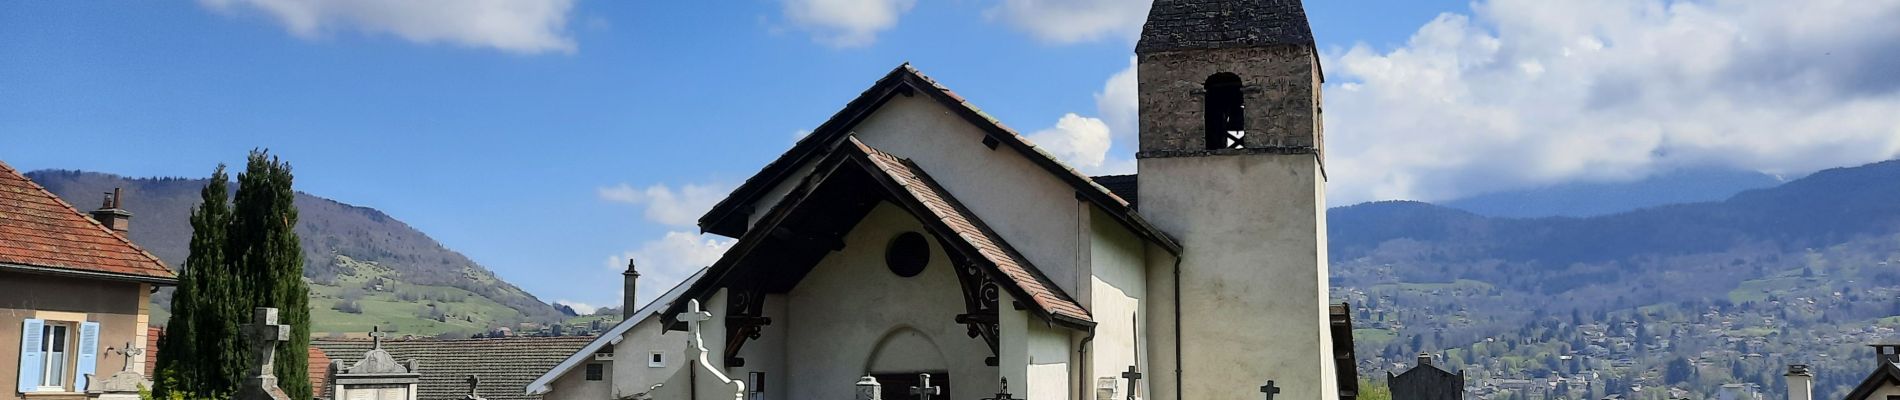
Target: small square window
594,371
656,360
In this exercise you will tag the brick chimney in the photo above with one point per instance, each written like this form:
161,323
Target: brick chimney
628,303
111,215
1800,382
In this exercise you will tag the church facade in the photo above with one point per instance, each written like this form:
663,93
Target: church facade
915,242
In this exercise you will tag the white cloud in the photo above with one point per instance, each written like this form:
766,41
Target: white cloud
521,26
666,261
1072,21
674,207
579,307
846,23
1087,143
1525,92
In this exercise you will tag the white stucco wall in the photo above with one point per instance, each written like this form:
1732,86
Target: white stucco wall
1035,357
1033,210
1253,274
1117,290
1882,393
630,373
850,303
574,384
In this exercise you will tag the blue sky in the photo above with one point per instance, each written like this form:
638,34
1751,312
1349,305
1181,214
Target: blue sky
550,140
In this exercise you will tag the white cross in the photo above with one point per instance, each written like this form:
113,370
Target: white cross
693,316
923,390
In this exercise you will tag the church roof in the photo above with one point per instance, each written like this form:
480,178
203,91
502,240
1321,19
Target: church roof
834,199
1125,186
1887,374
42,234
544,384
728,218
1214,24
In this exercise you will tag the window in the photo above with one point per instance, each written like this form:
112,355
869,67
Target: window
656,360
907,254
53,351
594,371
1226,112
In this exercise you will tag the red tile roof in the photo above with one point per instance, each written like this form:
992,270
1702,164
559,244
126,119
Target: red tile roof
319,369
40,231
151,348
1015,269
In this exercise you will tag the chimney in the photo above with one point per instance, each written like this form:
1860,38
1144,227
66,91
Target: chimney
628,303
1424,359
1800,382
114,218
1887,353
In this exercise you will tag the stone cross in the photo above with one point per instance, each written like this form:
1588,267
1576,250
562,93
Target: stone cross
376,334
1270,389
923,390
264,333
1133,378
129,353
693,317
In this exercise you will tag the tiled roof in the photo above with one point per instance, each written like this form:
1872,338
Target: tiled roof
1124,186
1213,24
151,348
318,366
906,79
945,208
505,365
40,231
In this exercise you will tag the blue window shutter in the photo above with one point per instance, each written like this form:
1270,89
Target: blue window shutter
30,364
88,353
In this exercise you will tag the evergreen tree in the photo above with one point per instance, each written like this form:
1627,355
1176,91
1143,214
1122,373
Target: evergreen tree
199,355
264,248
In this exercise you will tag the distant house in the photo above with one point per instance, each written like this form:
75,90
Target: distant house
628,359
502,365
72,290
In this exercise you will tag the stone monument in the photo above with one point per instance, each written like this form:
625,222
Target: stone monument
376,376
123,385
263,334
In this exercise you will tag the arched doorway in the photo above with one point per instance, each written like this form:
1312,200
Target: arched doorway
900,359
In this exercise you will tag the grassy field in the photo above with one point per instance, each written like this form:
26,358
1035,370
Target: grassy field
402,309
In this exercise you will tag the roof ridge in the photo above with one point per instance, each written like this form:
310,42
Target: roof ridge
95,223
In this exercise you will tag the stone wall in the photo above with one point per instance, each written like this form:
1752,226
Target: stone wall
1281,92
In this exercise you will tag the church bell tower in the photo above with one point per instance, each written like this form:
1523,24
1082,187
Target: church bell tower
1231,164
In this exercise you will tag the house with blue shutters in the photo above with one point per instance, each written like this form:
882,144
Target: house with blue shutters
74,292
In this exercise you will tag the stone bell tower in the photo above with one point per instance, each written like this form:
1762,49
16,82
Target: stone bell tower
1230,163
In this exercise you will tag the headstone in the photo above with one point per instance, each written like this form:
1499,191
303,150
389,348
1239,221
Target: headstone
263,334
377,376
1134,378
122,385
869,389
1270,390
923,390
473,383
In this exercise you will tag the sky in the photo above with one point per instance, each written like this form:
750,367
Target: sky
552,140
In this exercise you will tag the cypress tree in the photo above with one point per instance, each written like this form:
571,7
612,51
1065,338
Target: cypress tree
265,251
189,363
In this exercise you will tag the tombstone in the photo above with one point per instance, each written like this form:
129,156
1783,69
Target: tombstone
1270,390
376,376
924,390
1426,382
263,334
473,383
1134,379
125,384
869,389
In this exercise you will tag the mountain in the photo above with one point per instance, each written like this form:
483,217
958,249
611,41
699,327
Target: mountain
365,267
1588,199
1804,272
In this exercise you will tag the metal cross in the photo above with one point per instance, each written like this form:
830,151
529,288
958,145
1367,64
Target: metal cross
1270,389
376,333
923,390
129,352
264,333
473,381
1133,378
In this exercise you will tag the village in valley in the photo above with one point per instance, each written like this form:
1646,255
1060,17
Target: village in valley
1244,220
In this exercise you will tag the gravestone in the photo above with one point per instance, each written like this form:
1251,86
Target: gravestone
924,390
125,384
1426,382
263,334
376,376
473,383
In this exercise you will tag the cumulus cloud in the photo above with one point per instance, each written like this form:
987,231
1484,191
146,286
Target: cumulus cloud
1087,143
846,23
1071,21
665,205
668,260
521,26
1523,92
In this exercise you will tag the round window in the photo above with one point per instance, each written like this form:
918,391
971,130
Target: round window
907,254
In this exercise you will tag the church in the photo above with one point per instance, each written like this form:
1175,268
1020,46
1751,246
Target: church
915,247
